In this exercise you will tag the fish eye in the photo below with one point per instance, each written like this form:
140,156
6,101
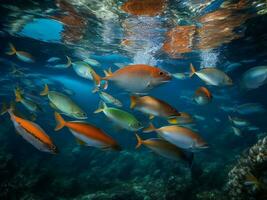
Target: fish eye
161,73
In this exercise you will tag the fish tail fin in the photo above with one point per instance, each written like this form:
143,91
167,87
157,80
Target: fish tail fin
60,121
5,108
12,49
108,73
18,95
133,101
139,141
172,120
101,107
192,70
149,129
69,63
45,91
97,79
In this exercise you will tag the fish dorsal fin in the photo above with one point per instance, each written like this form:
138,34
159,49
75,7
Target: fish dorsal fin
45,91
108,73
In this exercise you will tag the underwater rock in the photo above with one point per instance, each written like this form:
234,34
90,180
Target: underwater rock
252,164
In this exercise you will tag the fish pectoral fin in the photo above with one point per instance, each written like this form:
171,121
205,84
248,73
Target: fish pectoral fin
80,142
148,85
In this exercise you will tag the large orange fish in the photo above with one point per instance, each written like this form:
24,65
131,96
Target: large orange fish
87,134
32,133
135,78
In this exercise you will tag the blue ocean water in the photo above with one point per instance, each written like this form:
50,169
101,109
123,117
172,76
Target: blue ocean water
229,36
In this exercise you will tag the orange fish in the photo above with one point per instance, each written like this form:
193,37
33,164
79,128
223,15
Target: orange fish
33,133
202,96
153,106
137,78
87,134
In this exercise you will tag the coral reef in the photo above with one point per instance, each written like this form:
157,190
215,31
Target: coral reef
253,164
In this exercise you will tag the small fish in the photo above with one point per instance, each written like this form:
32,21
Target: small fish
32,133
87,134
92,62
165,149
180,136
65,65
135,78
22,55
180,76
199,117
28,103
212,76
202,96
238,121
120,117
107,98
53,59
83,70
233,66
17,72
248,61
255,77
217,119
64,104
227,108
250,108
253,128
236,131
153,107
